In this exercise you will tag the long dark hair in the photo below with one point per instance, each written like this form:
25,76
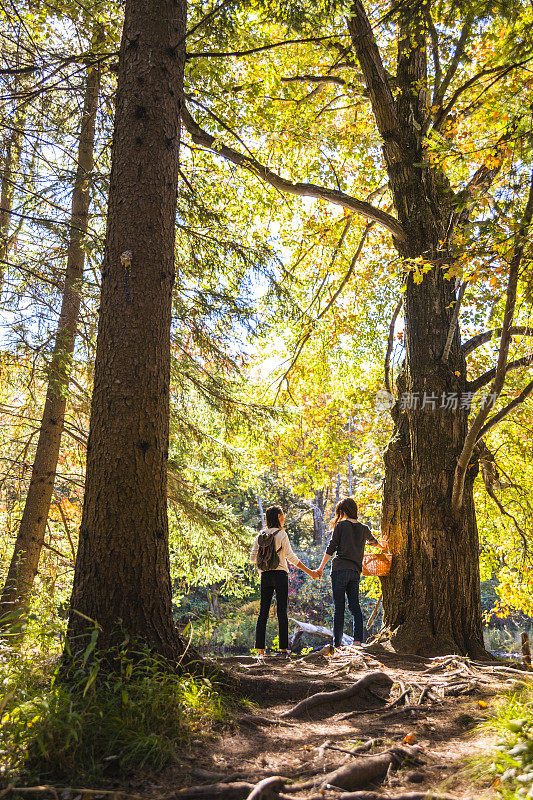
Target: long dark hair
272,516
347,506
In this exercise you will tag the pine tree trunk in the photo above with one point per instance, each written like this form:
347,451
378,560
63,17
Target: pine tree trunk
30,537
10,165
122,575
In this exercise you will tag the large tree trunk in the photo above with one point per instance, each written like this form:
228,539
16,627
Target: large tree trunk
122,576
30,538
431,598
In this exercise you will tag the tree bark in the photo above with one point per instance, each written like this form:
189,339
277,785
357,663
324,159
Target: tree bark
30,537
261,511
318,518
122,576
431,598
10,165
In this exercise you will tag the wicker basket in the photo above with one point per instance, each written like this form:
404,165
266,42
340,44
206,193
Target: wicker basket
377,563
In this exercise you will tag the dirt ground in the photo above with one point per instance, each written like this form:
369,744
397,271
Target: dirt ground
446,706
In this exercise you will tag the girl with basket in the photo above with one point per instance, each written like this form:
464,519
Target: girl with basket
347,543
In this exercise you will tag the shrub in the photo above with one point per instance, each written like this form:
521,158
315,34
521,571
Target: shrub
100,723
511,762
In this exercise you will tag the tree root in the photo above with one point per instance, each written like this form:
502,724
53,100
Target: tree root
364,771
341,694
267,789
254,720
239,790
359,773
47,789
361,750
407,796
404,696
318,656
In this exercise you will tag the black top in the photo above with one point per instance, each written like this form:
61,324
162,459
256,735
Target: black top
348,542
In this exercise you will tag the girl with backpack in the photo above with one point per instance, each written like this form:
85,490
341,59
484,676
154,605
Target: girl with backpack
270,553
348,543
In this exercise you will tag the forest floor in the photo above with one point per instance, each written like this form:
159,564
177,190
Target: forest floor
410,729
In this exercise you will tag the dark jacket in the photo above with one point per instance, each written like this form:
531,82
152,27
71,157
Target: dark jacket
348,542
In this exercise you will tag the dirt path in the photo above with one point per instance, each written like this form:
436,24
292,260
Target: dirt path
446,706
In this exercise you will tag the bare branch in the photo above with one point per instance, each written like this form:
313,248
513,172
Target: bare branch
315,79
390,342
440,91
453,323
489,473
500,72
201,137
480,182
505,340
486,336
328,305
503,412
435,53
261,49
483,380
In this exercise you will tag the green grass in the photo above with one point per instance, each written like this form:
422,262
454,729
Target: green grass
98,725
511,762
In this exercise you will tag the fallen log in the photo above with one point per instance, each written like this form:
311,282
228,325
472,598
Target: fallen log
319,630
341,694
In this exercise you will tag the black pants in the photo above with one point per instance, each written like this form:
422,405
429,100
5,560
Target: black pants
345,583
273,580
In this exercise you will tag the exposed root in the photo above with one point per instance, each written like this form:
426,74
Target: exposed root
255,720
405,796
366,770
341,694
267,789
214,791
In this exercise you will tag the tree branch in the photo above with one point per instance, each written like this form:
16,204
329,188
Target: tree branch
505,340
500,72
435,53
524,394
490,479
480,182
261,48
328,305
315,79
440,91
483,380
486,336
374,72
453,323
201,137
390,342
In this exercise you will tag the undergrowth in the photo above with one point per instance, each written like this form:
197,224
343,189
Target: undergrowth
511,762
98,725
